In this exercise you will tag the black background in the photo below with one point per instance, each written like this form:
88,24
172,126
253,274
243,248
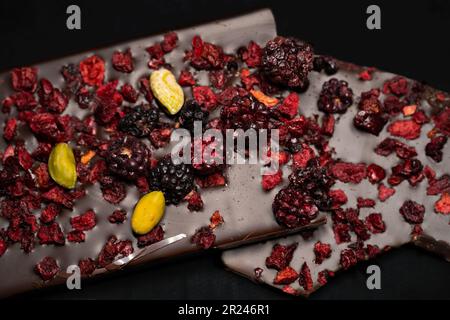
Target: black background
413,41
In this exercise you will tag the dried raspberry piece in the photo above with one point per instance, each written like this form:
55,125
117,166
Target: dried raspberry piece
51,98
251,54
305,279
24,79
289,290
338,198
160,136
322,251
270,181
286,276
375,173
335,97
412,212
129,93
186,79
433,149
347,259
437,186
123,61
365,203
214,180
385,192
49,213
205,97
204,238
84,222
349,172
407,129
118,216
328,123
443,204
205,55
51,234
112,249
397,85
47,268
442,121
155,235
281,256
169,42
323,276
9,131
76,236
301,158
109,101
87,266
341,233
92,70
113,191
215,220
389,145
289,107
218,78
58,196
195,202
375,223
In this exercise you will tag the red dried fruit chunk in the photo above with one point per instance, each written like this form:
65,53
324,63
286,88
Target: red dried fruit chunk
289,107
58,196
45,125
123,61
215,220
76,236
347,259
443,204
213,180
160,137
270,181
51,98
322,251
442,121
87,266
204,238
42,176
389,145
47,268
24,79
9,131
25,160
186,79
341,232
385,192
251,55
49,213
437,186
84,222
109,101
205,55
407,129
349,172
286,276
289,290
92,70
169,42
24,101
281,256
360,229
113,191
217,78
338,198
3,247
51,234
366,74
195,202
112,249
375,223
118,216
328,123
144,87
305,279
412,212
129,93
301,158
155,235
205,97
323,276
375,173
433,149
397,85
42,151
365,203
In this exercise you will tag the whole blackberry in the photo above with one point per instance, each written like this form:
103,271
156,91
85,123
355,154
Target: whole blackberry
336,96
128,157
174,180
293,209
140,121
287,61
245,113
191,113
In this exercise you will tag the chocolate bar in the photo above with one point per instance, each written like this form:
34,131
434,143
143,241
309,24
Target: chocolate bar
379,212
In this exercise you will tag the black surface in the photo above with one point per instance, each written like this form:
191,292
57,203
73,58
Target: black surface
413,41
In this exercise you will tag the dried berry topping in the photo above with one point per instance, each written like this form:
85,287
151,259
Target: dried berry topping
123,61
191,113
174,180
433,149
336,96
156,235
24,79
204,238
305,279
47,268
140,121
118,216
349,172
325,63
412,212
322,251
286,276
442,206
408,129
287,61
281,256
84,222
92,70
205,55
347,259
375,223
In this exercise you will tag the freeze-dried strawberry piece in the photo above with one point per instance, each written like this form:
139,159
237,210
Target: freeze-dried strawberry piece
397,85
347,259
216,220
212,180
123,61
281,256
365,203
84,222
341,232
375,223
113,191
433,149
9,131
205,55
24,79
412,212
42,176
300,159
205,97
375,173
49,213
76,236
286,276
204,238
195,202
58,196
289,106
186,79
169,42
270,181
305,279
322,251
338,198
87,266
51,234
323,276
92,70
289,290
437,186
407,129
251,54
155,235
349,172
385,192
443,204
118,216
442,121
128,93
47,268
